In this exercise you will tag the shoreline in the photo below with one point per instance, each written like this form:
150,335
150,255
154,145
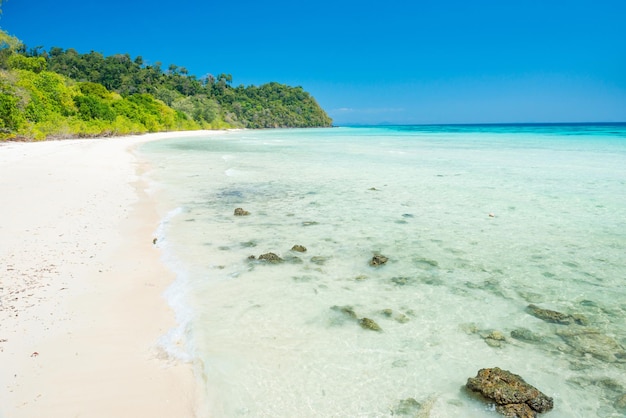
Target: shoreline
82,304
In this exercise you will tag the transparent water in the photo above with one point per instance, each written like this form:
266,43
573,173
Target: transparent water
477,224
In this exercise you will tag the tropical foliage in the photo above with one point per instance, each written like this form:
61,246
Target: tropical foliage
62,93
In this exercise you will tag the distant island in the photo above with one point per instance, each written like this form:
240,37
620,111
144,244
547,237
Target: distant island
65,94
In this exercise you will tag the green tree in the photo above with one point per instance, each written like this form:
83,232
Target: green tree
9,45
21,62
11,115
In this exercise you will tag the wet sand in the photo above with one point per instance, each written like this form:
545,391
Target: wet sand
81,285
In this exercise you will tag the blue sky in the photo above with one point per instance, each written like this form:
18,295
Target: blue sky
420,61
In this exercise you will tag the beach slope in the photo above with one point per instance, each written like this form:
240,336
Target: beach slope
81,285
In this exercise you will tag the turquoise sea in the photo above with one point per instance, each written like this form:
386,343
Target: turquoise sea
477,223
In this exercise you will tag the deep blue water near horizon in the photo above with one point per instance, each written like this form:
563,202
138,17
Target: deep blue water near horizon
478,223
580,128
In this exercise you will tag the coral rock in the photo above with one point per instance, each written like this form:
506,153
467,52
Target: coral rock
367,323
509,391
378,260
241,212
271,258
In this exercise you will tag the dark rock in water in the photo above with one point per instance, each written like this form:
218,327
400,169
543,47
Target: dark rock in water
516,410
367,323
378,260
524,334
271,258
241,212
555,317
349,313
154,241
299,248
402,281
510,392
407,406
251,257
493,338
309,223
374,189
319,260
402,318
346,310
579,319
591,341
548,315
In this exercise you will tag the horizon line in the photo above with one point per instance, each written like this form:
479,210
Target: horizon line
481,124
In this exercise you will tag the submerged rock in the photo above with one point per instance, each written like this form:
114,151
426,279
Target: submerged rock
271,258
414,409
524,334
348,313
241,212
620,403
425,262
493,338
367,323
378,260
319,260
408,406
293,259
516,410
402,280
400,317
346,310
593,342
556,317
299,248
512,395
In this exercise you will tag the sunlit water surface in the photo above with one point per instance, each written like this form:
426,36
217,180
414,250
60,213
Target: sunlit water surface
477,223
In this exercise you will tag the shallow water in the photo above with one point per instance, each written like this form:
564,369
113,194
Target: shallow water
477,223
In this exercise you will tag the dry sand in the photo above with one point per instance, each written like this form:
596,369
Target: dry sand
81,285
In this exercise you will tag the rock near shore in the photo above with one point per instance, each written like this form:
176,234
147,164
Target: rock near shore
556,317
241,212
512,395
378,260
271,258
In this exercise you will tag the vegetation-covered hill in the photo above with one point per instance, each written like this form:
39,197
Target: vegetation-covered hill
62,93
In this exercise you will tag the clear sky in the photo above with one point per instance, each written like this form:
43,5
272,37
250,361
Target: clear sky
420,61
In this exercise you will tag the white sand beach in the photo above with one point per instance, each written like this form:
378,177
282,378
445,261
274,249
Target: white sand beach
81,285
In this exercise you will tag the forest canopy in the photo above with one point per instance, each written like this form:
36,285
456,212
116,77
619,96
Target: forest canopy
64,93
